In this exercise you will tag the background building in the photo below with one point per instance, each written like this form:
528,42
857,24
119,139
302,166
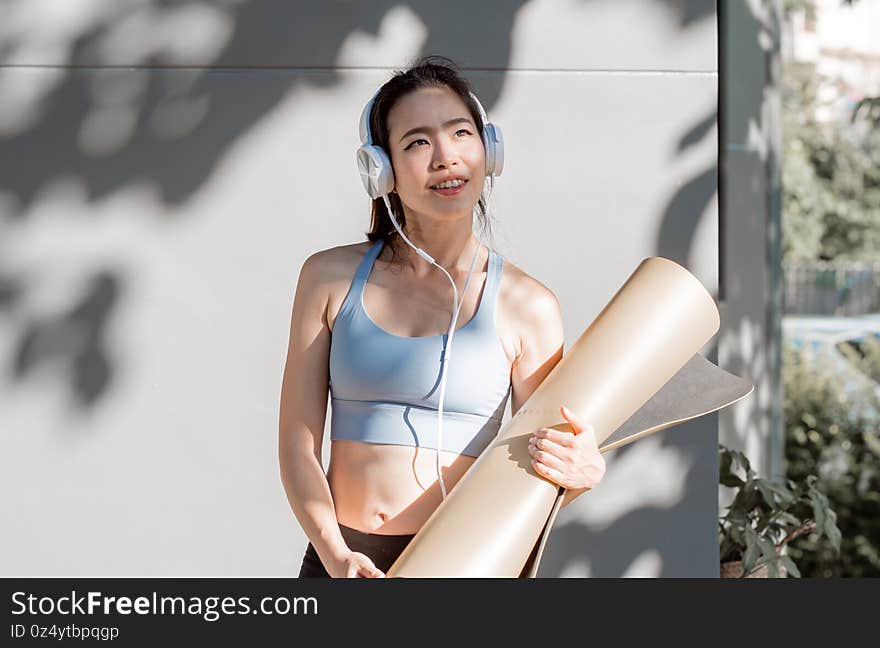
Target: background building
842,43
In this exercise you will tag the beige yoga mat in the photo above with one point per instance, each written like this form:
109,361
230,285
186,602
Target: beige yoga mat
698,388
618,375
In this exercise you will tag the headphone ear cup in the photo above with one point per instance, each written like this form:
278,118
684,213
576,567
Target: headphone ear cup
493,142
376,171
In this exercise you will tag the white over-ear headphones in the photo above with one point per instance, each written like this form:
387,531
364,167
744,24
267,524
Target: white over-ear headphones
378,178
375,165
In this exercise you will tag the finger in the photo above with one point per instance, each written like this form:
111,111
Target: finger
365,571
571,417
370,568
577,422
549,447
549,460
549,473
565,439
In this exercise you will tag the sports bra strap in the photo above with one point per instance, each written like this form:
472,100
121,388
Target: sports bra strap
366,264
495,261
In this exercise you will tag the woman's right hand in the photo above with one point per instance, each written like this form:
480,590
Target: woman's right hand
354,565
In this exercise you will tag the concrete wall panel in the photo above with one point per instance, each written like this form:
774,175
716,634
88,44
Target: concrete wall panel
502,34
154,222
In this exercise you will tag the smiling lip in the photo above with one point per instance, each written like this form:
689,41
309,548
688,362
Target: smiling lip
451,191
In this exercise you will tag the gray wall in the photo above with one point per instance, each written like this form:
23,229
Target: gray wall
166,171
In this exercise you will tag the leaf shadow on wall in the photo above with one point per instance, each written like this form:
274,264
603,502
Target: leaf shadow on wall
208,107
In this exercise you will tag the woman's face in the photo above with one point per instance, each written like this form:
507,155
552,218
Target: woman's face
432,139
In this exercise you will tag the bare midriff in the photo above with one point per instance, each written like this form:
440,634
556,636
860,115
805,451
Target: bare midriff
389,489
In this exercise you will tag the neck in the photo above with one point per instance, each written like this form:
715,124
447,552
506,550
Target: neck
452,245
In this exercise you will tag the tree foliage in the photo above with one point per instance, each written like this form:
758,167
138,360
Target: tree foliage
830,176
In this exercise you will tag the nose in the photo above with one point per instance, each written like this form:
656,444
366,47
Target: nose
444,155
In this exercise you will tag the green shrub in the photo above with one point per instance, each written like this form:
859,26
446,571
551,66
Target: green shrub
831,431
765,516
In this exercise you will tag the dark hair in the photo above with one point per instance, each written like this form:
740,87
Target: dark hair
428,71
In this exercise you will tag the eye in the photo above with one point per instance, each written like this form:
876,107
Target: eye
463,130
410,145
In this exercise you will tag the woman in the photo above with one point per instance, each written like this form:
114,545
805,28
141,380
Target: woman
369,319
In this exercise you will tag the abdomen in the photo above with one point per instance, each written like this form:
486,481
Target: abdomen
389,489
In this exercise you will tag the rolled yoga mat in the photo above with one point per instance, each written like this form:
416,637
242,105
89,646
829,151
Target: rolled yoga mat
495,521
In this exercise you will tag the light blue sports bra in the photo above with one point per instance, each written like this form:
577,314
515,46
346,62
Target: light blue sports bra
385,388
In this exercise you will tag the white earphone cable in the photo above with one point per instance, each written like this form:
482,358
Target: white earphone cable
447,353
456,307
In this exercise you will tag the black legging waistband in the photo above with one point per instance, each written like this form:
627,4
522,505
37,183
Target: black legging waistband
381,548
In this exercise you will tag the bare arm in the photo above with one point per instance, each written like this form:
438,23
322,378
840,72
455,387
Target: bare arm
541,343
541,349
302,415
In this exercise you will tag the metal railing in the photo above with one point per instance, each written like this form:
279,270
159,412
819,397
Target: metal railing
831,288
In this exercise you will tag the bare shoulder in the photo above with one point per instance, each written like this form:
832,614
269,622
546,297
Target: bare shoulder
331,261
529,298
331,270
527,309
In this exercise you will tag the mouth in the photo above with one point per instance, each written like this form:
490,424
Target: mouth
450,187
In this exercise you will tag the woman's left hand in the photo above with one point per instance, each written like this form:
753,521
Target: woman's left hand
570,460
